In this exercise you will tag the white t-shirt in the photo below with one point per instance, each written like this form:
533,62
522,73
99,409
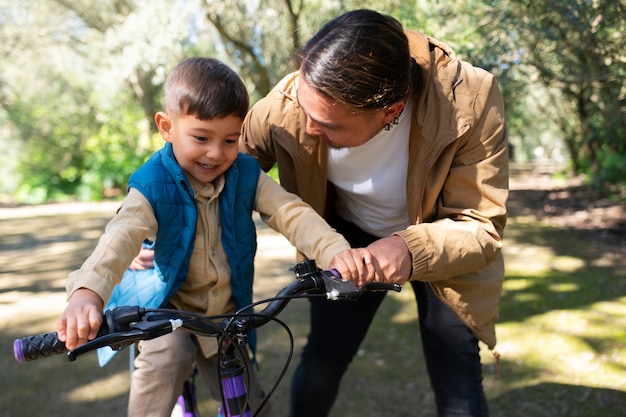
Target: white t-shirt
371,179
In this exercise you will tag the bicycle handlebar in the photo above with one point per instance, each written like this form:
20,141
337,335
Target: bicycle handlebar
125,325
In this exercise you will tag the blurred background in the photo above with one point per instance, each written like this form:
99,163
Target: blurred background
80,80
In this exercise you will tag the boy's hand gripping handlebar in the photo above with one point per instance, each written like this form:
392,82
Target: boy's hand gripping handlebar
336,287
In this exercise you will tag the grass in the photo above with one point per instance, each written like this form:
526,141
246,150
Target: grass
562,327
562,330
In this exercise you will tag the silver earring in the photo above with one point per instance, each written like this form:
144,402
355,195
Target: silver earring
387,126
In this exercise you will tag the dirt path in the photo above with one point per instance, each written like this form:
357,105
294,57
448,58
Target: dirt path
566,203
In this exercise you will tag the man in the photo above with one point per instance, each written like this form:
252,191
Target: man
403,149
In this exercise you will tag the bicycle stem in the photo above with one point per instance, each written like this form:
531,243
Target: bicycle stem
235,396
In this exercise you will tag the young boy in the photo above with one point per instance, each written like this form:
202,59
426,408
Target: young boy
193,198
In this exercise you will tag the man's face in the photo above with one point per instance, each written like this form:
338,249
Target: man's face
336,123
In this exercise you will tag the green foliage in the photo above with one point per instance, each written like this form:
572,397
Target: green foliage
78,151
612,167
121,145
82,112
573,50
51,159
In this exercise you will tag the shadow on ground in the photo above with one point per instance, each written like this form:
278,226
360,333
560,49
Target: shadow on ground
559,400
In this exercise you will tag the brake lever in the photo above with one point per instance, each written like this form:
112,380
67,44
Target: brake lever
142,330
337,288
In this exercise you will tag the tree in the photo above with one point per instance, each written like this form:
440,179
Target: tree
575,49
260,37
78,92
84,107
38,70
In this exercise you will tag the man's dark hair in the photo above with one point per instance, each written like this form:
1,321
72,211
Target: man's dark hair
362,59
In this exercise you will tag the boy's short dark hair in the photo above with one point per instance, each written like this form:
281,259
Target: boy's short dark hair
205,88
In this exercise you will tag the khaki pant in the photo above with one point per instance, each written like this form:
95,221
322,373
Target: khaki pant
162,367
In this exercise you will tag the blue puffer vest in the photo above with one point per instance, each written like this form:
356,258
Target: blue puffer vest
165,186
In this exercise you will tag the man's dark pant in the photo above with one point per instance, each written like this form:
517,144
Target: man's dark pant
338,328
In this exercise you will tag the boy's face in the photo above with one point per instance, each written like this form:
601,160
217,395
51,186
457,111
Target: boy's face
204,149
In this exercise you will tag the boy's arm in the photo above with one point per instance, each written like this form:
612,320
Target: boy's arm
287,214
90,287
120,243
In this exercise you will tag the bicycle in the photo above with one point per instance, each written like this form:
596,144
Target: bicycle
123,326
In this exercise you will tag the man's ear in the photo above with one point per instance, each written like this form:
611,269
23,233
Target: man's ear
396,108
164,124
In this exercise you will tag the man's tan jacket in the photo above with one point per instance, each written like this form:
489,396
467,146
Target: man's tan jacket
457,182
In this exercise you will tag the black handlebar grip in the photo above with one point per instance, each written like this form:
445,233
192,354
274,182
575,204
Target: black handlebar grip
37,347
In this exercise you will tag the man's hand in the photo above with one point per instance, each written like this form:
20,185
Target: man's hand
392,259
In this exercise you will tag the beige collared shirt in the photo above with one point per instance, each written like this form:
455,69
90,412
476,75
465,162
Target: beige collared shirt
207,287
